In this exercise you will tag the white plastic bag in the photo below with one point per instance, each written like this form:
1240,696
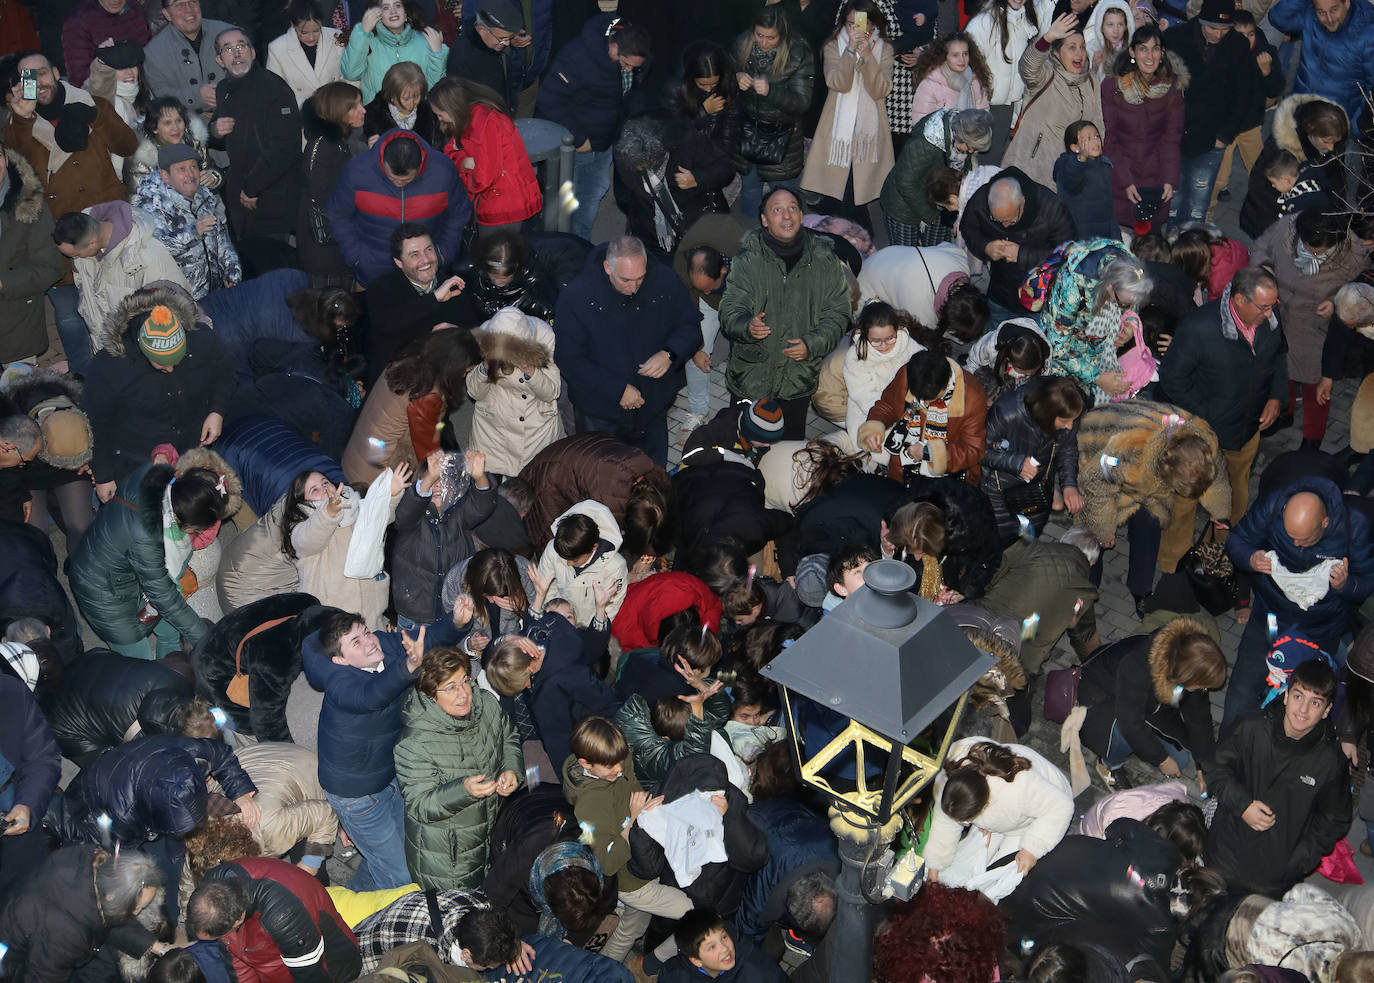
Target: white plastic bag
364,561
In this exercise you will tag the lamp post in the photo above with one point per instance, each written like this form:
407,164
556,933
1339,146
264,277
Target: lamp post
886,665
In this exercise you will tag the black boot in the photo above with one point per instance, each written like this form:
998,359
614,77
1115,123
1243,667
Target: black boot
1311,443
1283,422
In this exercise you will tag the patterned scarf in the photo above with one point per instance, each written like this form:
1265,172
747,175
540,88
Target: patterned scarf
556,857
1308,262
928,422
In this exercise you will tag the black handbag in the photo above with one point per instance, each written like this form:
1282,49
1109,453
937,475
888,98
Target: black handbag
764,141
321,233
1210,573
1029,498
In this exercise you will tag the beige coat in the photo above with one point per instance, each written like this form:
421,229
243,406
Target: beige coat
578,587
286,58
829,179
293,803
383,416
517,414
1054,99
136,261
254,565
321,543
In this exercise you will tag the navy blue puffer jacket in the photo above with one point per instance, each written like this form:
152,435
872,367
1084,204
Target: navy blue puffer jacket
799,842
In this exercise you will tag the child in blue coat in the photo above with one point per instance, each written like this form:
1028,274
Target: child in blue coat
1084,180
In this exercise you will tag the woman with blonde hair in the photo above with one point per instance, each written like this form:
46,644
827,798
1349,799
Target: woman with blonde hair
400,104
485,146
852,150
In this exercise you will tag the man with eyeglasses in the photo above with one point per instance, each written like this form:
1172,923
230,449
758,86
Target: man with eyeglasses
258,122
1228,363
180,59
481,54
589,89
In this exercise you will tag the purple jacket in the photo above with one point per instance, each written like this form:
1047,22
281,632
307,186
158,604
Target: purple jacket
89,24
1142,141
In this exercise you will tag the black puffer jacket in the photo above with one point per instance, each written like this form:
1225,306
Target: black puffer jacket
720,497
150,787
53,925
972,550
851,512
29,587
1012,437
719,885
429,545
530,292
1085,879
788,99
1212,110
271,659
110,695
1043,225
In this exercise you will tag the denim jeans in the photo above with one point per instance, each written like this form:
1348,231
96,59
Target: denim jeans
1119,751
751,192
1144,532
591,180
649,433
376,825
1195,186
1362,481
699,382
71,327
997,314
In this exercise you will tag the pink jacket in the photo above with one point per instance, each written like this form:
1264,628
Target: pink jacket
1133,803
935,92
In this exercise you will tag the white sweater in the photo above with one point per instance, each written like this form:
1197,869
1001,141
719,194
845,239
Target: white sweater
1007,87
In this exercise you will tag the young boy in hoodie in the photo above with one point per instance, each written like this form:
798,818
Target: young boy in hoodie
706,947
1084,180
581,555
599,780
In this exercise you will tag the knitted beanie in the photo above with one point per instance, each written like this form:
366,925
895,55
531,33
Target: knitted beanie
761,422
162,337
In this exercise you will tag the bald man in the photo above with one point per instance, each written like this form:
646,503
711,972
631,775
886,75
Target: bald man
1305,526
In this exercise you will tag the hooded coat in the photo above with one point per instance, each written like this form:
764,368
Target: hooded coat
719,885
1044,224
368,56
517,412
1126,685
1302,293
604,805
1135,432
1338,65
132,406
29,262
577,585
149,787
1306,784
565,689
1347,536
1143,134
447,830
810,301
365,206
604,336
1321,176
121,559
650,601
585,467
271,659
112,699
1056,97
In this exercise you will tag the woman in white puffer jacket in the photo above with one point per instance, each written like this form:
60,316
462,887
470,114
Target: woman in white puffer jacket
882,346
1002,30
516,387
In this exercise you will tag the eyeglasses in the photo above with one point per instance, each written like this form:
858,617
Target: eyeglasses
453,689
883,344
235,49
500,40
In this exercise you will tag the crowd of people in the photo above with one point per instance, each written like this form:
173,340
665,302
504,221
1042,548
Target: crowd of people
383,566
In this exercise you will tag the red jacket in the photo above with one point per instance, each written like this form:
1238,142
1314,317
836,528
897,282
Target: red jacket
293,932
657,597
89,24
501,181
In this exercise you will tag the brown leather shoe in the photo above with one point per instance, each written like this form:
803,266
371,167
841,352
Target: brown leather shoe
1365,850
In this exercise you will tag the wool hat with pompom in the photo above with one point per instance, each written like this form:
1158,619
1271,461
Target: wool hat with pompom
161,337
761,422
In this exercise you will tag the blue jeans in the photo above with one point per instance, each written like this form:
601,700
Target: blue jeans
1362,481
591,180
997,314
649,433
1195,186
751,192
376,824
699,382
71,327
1145,534
1119,751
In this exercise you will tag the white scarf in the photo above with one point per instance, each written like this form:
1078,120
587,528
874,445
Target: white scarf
854,135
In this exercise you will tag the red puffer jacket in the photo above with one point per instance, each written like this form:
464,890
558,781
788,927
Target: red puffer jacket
657,597
501,180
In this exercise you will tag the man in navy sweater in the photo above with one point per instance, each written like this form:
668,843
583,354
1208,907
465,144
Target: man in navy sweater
365,677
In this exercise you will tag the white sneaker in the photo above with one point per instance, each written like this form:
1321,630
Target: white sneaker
693,421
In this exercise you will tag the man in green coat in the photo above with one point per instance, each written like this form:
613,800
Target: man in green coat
786,305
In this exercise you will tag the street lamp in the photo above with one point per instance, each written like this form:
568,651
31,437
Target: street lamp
892,664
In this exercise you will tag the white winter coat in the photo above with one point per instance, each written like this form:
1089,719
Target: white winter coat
897,275
517,414
286,58
866,378
577,586
138,260
1032,811
1093,35
1007,87
321,544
